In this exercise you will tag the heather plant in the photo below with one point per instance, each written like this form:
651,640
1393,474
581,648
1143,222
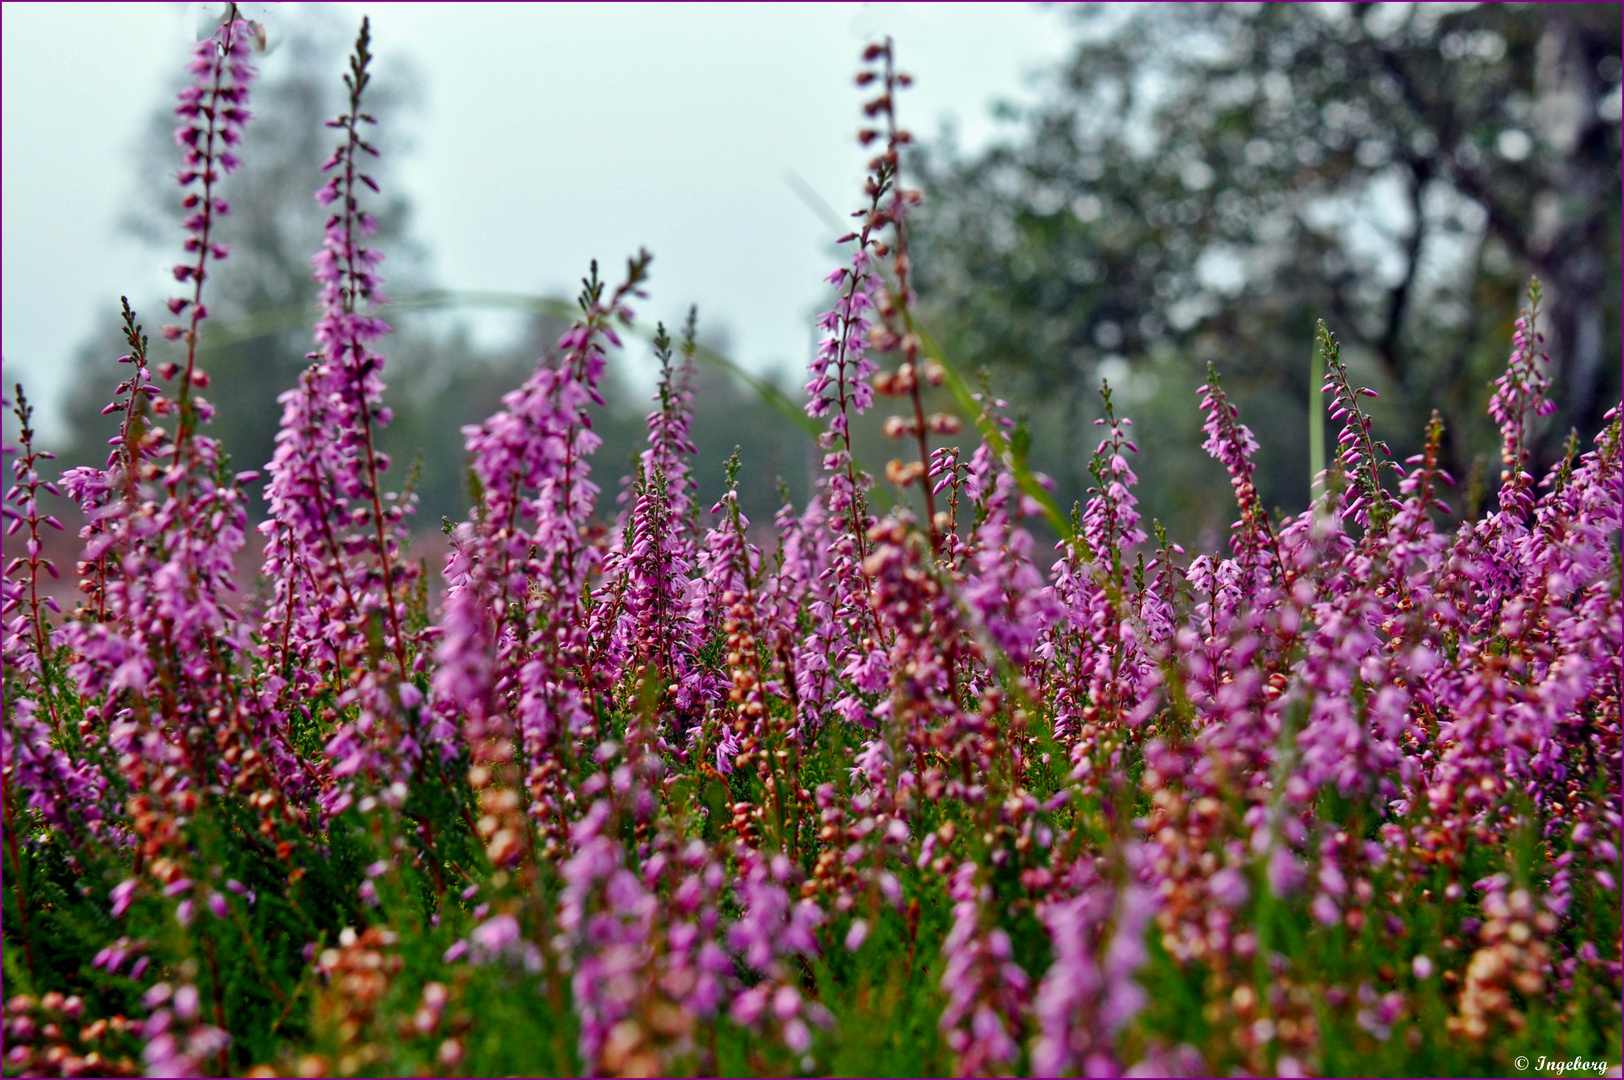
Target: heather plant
658,790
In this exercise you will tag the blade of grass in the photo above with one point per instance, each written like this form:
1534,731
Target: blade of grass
1316,424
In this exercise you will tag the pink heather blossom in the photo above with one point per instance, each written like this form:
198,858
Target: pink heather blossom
686,775
335,540
165,521
532,462
987,992
1089,993
654,618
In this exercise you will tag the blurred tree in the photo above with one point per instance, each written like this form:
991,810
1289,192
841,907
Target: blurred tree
1204,181
771,450
263,303
274,228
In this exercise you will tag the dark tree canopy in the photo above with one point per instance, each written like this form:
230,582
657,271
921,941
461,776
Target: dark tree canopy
1203,181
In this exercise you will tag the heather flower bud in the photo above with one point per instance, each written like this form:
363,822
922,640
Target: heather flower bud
902,474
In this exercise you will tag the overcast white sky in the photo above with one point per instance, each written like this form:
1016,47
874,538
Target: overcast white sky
551,134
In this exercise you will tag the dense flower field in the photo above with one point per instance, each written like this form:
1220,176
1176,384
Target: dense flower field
653,790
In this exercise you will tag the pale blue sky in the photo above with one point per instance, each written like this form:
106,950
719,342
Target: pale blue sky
551,134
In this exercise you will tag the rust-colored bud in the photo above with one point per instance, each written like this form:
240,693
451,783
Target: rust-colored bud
504,848
877,106
884,339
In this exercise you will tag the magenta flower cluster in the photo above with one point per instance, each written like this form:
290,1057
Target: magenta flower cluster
705,767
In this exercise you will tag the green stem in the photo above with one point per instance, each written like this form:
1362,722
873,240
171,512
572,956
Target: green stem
1316,425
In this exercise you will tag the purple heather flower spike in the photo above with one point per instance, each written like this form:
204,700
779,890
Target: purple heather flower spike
335,541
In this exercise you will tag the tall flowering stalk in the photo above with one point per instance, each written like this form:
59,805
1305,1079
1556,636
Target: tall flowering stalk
1361,456
512,652
1089,994
1232,444
1519,644
1098,650
729,571
1002,587
895,333
840,370
1519,397
839,385
105,494
842,366
162,628
647,576
40,773
213,112
669,445
25,617
987,992
155,655
335,540
1347,621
